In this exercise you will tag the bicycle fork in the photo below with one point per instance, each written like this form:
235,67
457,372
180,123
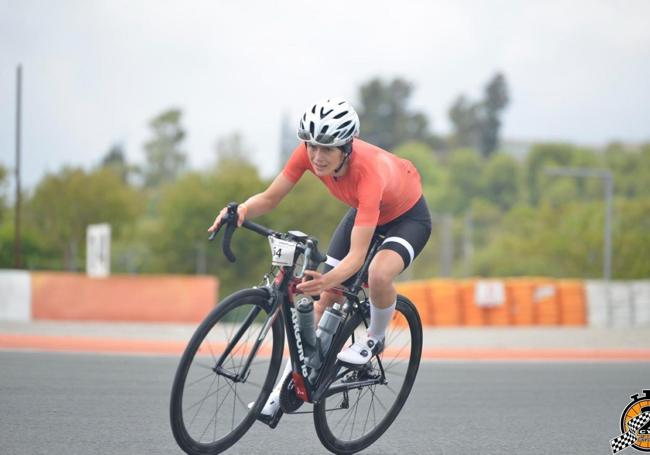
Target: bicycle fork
242,376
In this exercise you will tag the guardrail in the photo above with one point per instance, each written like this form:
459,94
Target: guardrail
471,302
26,296
530,301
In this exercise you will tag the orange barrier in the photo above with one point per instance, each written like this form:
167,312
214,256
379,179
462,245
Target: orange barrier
418,293
470,313
445,303
528,301
572,303
143,298
546,302
520,292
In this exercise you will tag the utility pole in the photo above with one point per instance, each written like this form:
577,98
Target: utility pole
608,180
17,253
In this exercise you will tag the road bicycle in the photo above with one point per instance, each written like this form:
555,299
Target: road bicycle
232,361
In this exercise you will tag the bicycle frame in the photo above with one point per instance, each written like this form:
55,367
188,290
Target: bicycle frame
281,300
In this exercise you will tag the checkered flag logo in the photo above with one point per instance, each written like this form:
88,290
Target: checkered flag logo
627,439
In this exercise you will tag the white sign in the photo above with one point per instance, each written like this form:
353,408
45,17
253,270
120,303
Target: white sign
98,250
543,292
489,293
282,251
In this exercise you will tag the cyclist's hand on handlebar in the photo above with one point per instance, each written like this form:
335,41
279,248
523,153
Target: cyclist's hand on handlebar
316,285
242,210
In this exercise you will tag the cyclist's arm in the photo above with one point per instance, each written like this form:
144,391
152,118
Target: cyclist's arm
360,241
260,203
267,200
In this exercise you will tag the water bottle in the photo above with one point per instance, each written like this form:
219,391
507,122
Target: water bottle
327,327
305,314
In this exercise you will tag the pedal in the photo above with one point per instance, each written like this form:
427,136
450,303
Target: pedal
271,421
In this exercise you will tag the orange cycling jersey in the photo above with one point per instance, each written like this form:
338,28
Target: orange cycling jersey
378,184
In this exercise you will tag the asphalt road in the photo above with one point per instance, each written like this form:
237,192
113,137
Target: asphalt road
106,404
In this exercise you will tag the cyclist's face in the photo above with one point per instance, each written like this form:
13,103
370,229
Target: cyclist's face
325,160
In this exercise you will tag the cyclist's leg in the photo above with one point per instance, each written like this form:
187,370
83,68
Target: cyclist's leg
405,238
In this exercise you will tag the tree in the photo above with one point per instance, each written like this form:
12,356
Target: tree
464,181
500,181
433,173
541,186
477,124
465,118
115,160
3,195
385,117
232,147
495,99
64,204
164,158
188,207
631,168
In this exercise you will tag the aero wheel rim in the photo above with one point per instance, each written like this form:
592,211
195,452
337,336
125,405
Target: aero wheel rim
214,404
354,415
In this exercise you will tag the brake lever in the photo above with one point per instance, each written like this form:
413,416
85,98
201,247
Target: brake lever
230,221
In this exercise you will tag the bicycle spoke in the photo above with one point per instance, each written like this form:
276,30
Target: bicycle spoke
234,390
232,422
201,402
356,409
214,417
200,379
208,395
349,411
365,423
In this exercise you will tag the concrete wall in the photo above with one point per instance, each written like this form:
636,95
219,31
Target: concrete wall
175,298
15,295
619,303
72,296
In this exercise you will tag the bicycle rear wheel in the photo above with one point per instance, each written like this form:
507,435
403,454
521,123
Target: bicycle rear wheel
364,403
209,408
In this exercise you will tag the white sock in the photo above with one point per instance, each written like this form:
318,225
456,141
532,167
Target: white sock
283,375
379,320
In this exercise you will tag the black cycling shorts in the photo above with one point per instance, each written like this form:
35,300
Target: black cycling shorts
406,235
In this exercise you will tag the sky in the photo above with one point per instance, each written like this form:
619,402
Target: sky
95,72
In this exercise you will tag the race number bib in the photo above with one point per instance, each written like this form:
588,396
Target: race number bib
282,251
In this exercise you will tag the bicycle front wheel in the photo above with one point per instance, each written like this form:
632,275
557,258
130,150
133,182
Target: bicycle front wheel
224,376
362,404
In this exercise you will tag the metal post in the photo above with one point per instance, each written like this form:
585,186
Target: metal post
468,242
608,180
17,252
607,254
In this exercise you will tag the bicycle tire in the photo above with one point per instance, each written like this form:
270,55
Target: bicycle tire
331,428
195,373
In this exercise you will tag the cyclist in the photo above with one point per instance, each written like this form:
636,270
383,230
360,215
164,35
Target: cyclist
385,195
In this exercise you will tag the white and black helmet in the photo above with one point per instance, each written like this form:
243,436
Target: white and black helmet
331,122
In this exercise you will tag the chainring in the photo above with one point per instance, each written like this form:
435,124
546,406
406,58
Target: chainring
289,401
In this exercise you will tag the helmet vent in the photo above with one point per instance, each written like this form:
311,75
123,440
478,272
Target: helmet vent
326,113
341,114
311,128
348,133
344,125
